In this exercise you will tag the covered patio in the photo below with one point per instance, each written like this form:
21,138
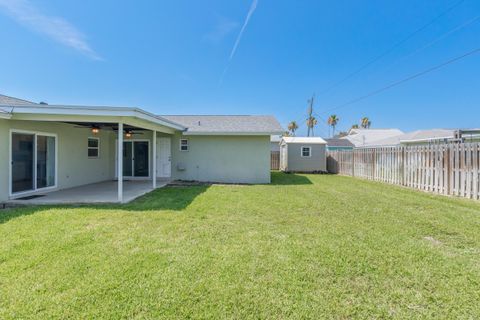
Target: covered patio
101,192
76,154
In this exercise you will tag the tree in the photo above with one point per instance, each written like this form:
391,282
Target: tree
311,122
333,121
292,127
354,126
366,123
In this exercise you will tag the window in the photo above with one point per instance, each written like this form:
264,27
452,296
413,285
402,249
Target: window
183,144
306,152
93,148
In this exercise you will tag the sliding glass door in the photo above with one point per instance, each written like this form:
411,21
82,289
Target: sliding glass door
136,159
33,163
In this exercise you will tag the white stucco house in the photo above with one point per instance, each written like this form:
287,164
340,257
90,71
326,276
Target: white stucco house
64,153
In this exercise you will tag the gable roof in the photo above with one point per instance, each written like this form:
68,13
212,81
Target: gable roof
227,125
368,137
305,140
12,102
337,142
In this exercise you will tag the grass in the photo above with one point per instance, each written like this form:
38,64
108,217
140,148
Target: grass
307,246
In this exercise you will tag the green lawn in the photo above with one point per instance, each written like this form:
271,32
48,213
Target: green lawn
307,246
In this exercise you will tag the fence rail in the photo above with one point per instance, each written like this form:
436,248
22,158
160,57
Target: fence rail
449,169
275,160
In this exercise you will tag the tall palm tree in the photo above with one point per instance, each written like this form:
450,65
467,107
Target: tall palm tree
311,122
366,123
333,121
292,127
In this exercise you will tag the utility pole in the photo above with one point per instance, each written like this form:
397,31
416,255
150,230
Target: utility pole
309,112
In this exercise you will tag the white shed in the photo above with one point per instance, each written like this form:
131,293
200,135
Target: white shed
303,154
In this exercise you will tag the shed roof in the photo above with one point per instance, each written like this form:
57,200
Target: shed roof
305,140
227,125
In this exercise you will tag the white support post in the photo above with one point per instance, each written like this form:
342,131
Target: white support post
154,160
120,162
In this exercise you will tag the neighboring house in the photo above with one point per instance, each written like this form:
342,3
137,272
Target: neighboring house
275,143
362,138
45,148
422,137
303,154
336,144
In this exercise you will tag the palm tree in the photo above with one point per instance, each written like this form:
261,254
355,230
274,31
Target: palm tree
333,121
354,126
311,122
366,123
292,127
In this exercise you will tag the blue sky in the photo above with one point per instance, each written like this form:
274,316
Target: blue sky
175,57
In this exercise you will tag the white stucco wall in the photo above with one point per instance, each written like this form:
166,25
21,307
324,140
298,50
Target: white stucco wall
227,159
74,166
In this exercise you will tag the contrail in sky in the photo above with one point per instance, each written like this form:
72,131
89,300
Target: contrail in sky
253,7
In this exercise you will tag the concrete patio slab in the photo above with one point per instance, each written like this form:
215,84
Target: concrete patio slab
102,192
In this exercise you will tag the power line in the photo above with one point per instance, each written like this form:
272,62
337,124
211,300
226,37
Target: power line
414,76
393,47
443,36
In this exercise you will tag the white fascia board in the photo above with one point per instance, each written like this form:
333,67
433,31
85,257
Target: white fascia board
97,111
209,133
4,115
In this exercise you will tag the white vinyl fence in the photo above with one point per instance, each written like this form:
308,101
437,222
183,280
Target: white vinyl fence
449,169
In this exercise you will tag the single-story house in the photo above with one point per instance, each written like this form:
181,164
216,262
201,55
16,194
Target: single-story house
337,144
362,138
303,154
47,149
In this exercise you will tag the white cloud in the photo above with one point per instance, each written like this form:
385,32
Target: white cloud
56,28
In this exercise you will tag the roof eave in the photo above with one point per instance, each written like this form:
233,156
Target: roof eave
98,111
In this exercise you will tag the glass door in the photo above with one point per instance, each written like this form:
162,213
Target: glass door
22,162
45,162
140,159
127,159
33,162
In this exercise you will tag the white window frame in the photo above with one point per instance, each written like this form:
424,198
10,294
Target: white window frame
309,151
11,194
187,145
93,148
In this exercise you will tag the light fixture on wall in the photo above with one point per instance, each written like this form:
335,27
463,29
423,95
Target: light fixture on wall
128,134
95,130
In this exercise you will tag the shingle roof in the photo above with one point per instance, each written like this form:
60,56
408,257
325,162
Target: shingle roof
12,102
224,124
337,142
306,140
